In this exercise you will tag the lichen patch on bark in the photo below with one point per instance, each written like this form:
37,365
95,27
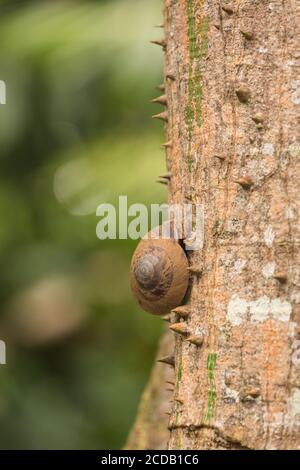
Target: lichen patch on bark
257,310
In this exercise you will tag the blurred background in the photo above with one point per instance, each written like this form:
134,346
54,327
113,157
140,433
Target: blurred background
75,132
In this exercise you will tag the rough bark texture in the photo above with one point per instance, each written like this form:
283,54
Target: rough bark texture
150,430
233,119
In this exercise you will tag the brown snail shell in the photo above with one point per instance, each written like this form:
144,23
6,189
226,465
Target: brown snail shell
159,274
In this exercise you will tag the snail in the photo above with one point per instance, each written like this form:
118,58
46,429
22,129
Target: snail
159,274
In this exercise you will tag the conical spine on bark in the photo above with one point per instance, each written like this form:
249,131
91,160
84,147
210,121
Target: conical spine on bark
246,33
160,100
166,175
166,318
170,360
163,116
179,328
197,340
170,76
281,276
258,118
167,144
195,269
183,311
162,181
243,93
160,42
161,87
245,181
219,156
228,8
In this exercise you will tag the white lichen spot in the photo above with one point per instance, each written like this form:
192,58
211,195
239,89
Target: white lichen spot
229,392
232,225
296,353
200,331
237,310
269,236
294,149
239,266
296,92
259,309
294,403
292,330
280,310
268,149
295,297
289,212
232,394
268,270
263,50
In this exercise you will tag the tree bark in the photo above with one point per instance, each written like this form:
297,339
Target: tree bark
233,94
150,430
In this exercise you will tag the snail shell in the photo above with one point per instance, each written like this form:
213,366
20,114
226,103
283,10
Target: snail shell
159,275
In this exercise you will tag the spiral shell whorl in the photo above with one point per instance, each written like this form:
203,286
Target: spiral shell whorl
153,272
159,275
147,271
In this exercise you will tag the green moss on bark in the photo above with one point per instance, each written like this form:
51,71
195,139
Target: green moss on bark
212,395
198,45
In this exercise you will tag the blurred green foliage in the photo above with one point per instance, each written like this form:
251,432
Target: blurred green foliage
75,132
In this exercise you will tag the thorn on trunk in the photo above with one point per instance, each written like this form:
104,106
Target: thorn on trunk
179,400
183,311
163,116
166,318
258,118
160,100
228,8
179,328
219,156
243,93
170,360
162,181
280,276
245,181
195,269
161,87
160,42
250,394
166,176
197,340
170,76
247,33
167,144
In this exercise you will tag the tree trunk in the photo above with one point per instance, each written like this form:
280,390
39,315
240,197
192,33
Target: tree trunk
233,99
150,430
